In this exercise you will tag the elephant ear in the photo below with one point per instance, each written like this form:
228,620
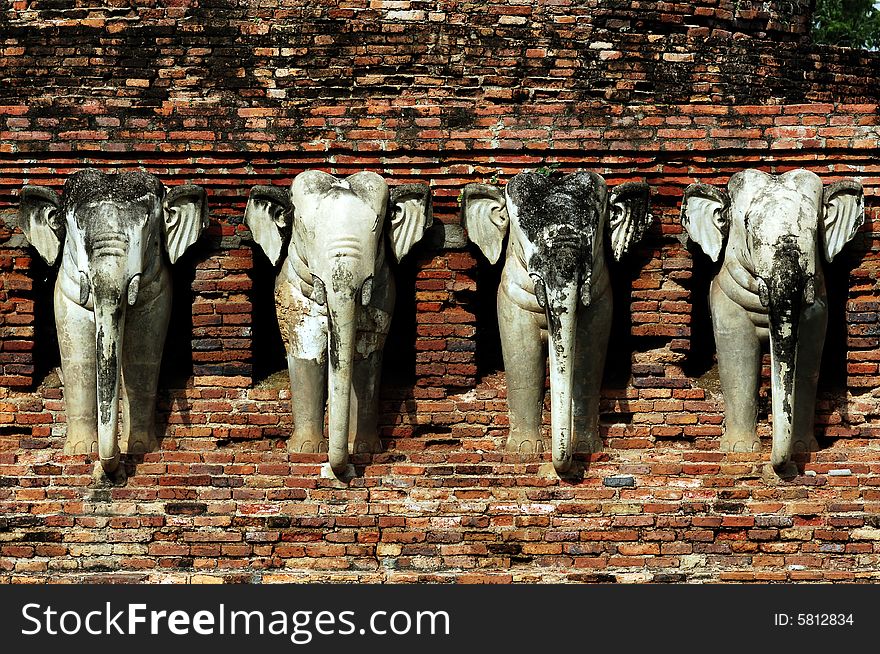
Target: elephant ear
704,215
411,214
38,217
629,219
267,215
844,214
186,215
484,213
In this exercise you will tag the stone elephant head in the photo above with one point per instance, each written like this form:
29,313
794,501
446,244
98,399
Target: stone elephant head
555,287
335,294
115,232
774,230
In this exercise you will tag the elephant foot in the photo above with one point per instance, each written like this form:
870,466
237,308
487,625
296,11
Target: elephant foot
525,444
139,444
104,479
588,445
81,442
787,470
307,445
338,480
805,445
366,445
740,443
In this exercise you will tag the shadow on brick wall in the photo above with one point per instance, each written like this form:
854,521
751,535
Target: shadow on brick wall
269,356
483,304
832,374
700,358
399,358
177,358
47,356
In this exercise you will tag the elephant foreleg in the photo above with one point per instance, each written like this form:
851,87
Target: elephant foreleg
811,339
303,325
308,383
364,423
591,345
739,361
76,340
146,325
524,350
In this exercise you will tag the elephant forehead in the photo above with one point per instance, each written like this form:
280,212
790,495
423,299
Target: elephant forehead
339,205
805,180
313,189
782,223
109,215
315,182
91,186
784,208
541,205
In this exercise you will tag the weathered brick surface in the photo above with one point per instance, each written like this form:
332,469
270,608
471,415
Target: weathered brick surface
228,95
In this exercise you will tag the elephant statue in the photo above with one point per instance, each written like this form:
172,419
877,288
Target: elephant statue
112,298
555,287
770,287
334,296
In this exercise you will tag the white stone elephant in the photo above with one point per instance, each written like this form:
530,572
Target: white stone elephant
555,287
334,296
770,287
112,297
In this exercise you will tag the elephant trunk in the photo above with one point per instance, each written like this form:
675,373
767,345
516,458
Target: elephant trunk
785,291
562,325
109,298
342,313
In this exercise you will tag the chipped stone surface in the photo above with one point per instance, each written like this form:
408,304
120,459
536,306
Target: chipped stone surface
840,472
619,481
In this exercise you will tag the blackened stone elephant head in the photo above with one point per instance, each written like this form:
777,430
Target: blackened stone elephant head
112,296
555,287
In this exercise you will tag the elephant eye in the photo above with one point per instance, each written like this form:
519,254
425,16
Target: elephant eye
540,291
367,291
763,292
319,292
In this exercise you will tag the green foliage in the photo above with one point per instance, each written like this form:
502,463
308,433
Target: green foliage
548,169
493,180
851,23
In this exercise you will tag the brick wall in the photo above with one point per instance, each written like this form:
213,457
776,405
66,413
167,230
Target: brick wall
232,94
